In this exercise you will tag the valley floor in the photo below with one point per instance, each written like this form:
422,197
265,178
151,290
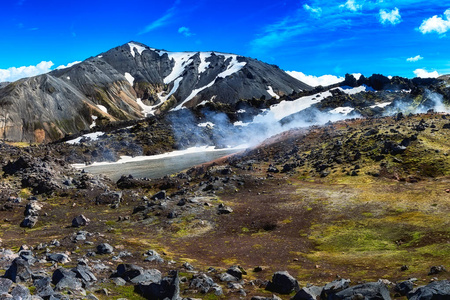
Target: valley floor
243,211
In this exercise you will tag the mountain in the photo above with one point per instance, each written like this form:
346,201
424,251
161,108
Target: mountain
130,82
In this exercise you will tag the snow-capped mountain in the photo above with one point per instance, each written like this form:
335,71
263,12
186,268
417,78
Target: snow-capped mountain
133,81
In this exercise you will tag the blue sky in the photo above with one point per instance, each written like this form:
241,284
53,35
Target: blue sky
315,37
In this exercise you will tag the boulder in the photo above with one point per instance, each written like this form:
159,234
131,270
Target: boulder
236,271
392,148
28,256
274,297
84,274
128,271
204,284
59,296
118,281
224,210
283,283
308,293
19,271
404,287
436,270
153,256
168,288
80,236
32,209
159,196
80,220
227,277
104,248
272,169
5,285
437,290
188,266
43,287
61,258
29,222
21,292
65,279
370,290
148,276
333,287
109,198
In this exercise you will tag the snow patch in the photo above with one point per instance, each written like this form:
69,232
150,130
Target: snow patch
206,124
204,65
351,91
146,109
193,94
182,60
241,111
176,85
286,108
92,136
128,159
381,105
129,78
342,110
102,108
233,66
93,122
139,48
272,93
357,75
68,77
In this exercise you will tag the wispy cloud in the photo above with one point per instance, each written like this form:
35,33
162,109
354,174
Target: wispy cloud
326,16
185,31
276,34
314,11
436,24
425,74
13,73
392,17
164,20
415,58
351,5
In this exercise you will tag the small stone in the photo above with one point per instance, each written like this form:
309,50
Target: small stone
104,248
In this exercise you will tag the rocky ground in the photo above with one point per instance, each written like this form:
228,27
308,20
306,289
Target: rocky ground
353,209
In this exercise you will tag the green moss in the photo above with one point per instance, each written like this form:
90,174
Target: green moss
117,292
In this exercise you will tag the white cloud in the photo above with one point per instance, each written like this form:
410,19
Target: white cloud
393,17
185,31
425,74
437,24
351,5
68,65
311,80
164,20
314,11
13,73
415,58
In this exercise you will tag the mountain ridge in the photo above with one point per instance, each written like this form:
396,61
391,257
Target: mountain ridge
132,81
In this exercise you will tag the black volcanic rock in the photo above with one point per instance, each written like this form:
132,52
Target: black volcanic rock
283,283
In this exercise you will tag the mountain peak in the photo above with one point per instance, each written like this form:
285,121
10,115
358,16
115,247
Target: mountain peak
133,81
